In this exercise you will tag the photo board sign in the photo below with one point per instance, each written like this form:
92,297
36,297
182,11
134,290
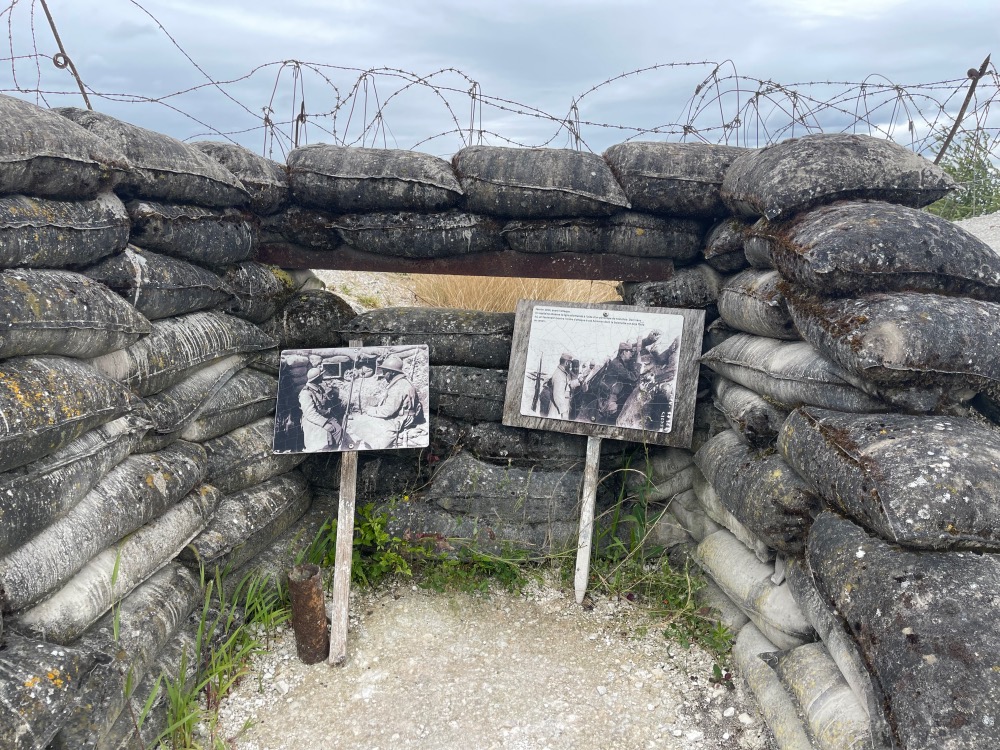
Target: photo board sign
615,371
352,399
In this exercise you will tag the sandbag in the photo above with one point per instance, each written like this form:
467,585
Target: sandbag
688,511
159,286
265,180
63,313
420,235
248,521
161,167
39,690
214,237
44,233
833,714
906,338
715,333
789,374
857,247
537,183
724,246
776,704
472,393
676,179
455,337
138,490
47,402
754,419
750,301
307,228
33,496
118,570
925,482
45,155
244,457
130,638
173,408
762,491
926,624
495,442
176,345
660,474
311,319
717,511
244,398
626,233
799,173
758,245
259,290
747,581
695,286
343,179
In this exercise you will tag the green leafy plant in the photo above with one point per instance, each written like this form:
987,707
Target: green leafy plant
968,160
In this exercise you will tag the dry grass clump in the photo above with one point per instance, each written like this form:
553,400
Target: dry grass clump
497,294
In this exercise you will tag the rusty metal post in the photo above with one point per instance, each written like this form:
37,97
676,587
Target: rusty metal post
305,585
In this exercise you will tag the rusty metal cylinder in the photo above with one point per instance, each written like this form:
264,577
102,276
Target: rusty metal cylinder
312,639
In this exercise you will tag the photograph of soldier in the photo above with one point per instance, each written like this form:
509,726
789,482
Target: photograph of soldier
352,399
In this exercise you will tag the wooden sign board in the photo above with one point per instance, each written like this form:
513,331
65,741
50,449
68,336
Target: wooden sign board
607,371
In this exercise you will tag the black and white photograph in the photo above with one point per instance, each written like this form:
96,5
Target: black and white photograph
352,399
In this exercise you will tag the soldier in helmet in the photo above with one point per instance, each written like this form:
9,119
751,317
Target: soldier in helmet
400,407
616,383
323,401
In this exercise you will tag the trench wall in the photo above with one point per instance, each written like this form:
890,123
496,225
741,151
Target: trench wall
839,494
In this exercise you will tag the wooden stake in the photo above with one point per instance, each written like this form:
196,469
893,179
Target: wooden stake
587,502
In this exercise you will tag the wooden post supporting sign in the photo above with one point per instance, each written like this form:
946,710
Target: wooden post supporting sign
587,502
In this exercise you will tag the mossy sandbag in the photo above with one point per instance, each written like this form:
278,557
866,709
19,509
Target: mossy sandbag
138,490
49,401
922,481
45,233
926,624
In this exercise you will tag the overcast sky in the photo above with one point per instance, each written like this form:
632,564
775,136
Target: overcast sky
540,54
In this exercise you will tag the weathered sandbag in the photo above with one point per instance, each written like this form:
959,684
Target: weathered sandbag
926,482
724,609
159,286
842,649
472,393
138,490
715,333
265,180
63,313
776,704
173,408
536,183
626,233
660,474
161,167
690,513
747,581
750,301
758,245
33,496
677,179
658,533
244,457
44,233
762,491
131,637
495,442
724,246
176,345
789,373
464,484
46,402
244,398
900,338
43,154
455,337
927,626
248,521
833,713
717,511
796,174
420,235
343,179
214,237
39,690
695,286
857,247
312,319
118,570
754,419
308,228
259,290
